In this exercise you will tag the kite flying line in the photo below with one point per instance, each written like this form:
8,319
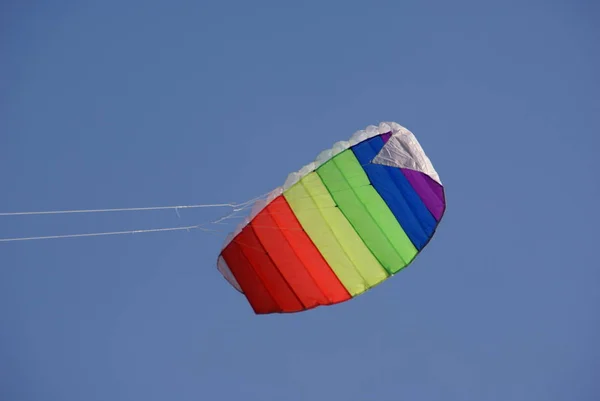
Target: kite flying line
235,207
150,230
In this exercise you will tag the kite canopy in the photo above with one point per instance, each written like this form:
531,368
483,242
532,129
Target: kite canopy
358,214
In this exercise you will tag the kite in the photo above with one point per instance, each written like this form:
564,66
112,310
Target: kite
357,215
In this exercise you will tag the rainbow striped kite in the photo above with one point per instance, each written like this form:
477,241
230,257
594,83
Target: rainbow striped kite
358,214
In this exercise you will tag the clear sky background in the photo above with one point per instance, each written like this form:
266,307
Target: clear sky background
125,103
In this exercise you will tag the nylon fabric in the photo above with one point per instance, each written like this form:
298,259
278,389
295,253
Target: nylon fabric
255,291
394,188
264,267
306,251
428,190
333,235
286,260
368,213
403,150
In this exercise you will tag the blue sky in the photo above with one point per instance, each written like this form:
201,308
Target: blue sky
141,103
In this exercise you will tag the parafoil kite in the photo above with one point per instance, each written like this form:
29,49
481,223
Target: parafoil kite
357,215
